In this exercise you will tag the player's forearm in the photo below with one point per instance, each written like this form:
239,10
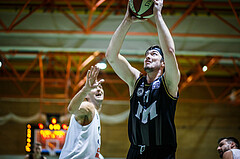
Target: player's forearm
117,40
78,99
164,35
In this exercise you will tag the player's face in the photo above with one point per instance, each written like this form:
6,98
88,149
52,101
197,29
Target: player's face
223,146
97,93
38,149
152,61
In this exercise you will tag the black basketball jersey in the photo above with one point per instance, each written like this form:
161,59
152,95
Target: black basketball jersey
152,111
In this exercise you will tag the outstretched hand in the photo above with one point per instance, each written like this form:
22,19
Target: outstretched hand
158,4
92,75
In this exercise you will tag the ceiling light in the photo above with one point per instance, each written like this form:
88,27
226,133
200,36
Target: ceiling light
101,65
204,69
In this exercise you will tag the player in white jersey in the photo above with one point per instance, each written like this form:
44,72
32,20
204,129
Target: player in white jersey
228,148
83,138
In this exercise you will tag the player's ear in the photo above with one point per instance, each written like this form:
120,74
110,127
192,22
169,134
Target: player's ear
162,63
232,145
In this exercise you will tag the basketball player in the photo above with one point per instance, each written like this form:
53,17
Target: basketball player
83,136
37,152
153,96
228,148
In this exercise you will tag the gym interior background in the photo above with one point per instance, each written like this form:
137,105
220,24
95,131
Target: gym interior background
46,47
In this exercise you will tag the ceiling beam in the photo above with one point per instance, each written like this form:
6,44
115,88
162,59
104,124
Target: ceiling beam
130,54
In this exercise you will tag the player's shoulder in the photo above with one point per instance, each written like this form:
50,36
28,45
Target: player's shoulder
228,155
87,104
86,108
84,115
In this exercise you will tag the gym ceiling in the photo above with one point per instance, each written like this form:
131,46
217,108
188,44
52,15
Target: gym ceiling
46,47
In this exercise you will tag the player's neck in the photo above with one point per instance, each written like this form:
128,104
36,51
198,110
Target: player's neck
97,104
152,76
98,107
37,156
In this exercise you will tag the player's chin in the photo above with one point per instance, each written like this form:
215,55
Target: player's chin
220,154
148,69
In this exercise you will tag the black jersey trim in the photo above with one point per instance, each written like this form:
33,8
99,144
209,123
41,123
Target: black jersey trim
165,87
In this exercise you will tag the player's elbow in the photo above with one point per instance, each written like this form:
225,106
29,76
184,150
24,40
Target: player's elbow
110,56
178,76
70,109
107,55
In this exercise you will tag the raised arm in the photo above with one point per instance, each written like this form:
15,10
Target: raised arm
120,65
172,73
85,110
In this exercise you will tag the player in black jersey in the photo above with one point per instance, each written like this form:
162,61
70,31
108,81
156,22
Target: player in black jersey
151,127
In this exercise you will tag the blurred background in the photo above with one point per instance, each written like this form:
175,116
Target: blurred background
46,47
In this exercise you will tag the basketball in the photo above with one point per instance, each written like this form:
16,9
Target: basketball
142,9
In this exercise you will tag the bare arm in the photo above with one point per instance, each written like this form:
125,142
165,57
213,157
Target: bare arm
84,115
120,65
76,106
172,73
228,155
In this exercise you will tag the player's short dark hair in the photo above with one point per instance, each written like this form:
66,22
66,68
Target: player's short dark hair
156,47
232,139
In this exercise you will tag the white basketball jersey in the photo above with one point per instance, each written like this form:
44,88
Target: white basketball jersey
236,153
82,142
